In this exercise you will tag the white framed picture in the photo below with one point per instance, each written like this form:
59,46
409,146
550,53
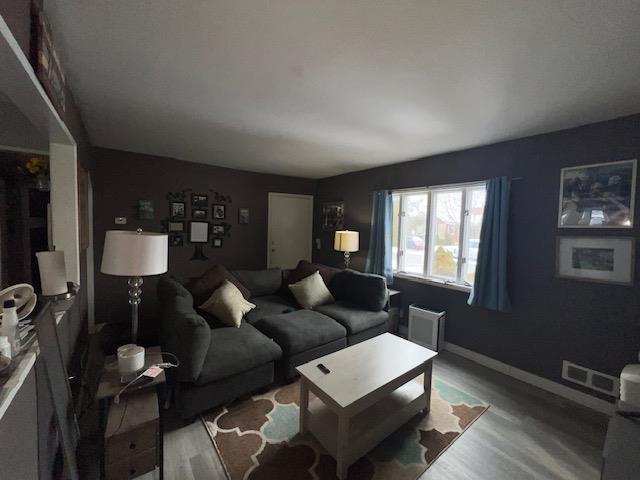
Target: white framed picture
600,195
596,259
199,232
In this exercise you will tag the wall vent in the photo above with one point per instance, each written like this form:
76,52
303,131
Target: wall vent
590,378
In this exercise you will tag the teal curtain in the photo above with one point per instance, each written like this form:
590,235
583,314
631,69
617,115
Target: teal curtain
379,256
490,285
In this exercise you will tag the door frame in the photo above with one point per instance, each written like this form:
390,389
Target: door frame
269,210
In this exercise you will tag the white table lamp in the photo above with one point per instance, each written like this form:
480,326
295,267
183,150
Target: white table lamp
135,255
346,241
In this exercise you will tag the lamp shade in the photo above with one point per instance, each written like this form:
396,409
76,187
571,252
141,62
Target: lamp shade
346,241
134,253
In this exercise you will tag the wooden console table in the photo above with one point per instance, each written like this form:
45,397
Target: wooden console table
133,442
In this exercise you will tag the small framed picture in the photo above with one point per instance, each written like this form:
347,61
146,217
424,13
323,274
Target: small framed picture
243,216
219,211
216,243
145,210
199,200
332,216
176,240
176,226
218,230
198,232
596,259
601,195
198,214
177,210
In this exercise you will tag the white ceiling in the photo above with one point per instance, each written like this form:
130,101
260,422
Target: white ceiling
315,88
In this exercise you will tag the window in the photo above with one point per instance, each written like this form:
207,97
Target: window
436,232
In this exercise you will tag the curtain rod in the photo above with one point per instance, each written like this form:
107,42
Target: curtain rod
448,185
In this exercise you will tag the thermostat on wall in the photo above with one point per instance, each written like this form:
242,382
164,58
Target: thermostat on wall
121,220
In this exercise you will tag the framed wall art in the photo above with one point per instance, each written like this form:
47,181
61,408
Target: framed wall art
332,216
176,226
198,232
177,210
596,259
601,195
219,211
216,243
176,240
199,200
198,214
243,216
217,230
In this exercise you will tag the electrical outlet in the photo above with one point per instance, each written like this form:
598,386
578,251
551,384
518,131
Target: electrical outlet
120,220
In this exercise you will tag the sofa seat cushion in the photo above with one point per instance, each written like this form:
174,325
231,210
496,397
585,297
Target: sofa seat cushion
236,350
269,305
301,330
353,317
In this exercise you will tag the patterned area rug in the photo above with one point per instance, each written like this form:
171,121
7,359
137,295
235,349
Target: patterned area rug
257,439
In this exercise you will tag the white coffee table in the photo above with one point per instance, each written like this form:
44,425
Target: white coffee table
367,395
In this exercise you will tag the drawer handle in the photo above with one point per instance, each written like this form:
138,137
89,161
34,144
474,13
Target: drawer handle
132,446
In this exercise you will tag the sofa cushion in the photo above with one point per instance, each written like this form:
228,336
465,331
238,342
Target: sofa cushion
311,292
236,350
353,317
301,330
269,305
304,269
365,290
227,304
169,287
260,282
202,288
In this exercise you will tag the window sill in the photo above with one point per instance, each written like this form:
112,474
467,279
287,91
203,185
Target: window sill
432,281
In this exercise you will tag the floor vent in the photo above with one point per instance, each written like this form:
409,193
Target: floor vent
590,378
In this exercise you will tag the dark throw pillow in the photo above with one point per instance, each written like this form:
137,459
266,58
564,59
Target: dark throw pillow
203,287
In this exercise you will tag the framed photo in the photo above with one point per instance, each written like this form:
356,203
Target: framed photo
198,214
601,195
47,62
199,200
176,240
243,216
145,210
218,230
333,216
596,259
177,210
176,226
216,243
219,211
198,232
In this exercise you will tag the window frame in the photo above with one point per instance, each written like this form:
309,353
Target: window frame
458,283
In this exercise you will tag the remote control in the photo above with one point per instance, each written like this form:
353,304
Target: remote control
323,369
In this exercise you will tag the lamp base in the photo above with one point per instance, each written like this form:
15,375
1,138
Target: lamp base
347,259
135,292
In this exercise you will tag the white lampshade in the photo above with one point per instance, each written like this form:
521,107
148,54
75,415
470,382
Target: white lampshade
134,253
346,241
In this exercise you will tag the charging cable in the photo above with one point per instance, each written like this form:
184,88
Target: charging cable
162,365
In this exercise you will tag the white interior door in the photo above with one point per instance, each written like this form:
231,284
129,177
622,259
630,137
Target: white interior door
290,229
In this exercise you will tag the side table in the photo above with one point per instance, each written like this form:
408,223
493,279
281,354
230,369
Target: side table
133,442
394,307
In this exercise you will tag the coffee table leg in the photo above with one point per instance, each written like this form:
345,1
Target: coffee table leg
343,443
427,386
304,405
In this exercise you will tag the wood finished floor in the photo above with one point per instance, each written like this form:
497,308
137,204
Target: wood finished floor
526,434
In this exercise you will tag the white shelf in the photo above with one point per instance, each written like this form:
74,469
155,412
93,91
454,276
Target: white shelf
372,425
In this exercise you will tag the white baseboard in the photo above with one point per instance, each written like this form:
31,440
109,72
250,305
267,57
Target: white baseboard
556,388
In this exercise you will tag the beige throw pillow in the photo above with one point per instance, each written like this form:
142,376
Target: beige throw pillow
311,291
227,304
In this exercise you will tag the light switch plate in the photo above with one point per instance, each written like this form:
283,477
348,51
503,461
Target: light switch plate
120,220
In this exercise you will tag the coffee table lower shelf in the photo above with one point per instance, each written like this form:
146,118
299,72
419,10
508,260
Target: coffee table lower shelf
370,426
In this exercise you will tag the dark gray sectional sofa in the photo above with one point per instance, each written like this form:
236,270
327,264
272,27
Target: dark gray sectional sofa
220,363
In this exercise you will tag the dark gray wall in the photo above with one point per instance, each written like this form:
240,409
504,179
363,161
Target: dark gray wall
120,179
592,324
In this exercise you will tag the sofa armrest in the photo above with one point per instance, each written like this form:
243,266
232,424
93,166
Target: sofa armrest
366,290
188,337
